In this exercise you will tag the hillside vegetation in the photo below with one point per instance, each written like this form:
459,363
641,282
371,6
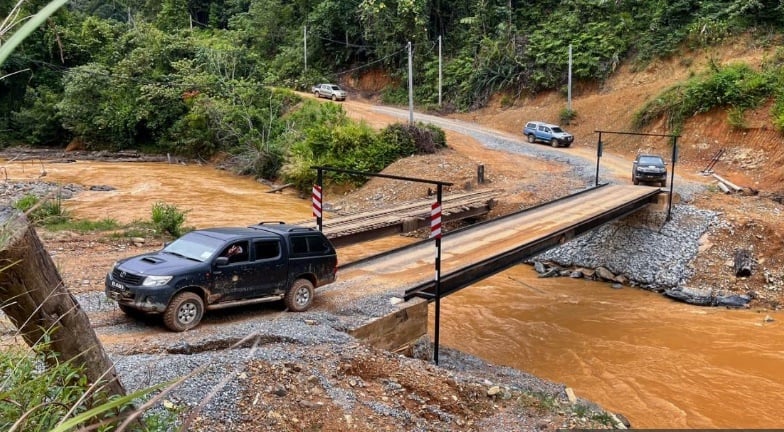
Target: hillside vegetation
197,78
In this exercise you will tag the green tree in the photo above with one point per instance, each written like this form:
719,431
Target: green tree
173,15
390,24
38,122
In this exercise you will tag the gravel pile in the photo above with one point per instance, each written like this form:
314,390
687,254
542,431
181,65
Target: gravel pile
220,375
649,253
13,191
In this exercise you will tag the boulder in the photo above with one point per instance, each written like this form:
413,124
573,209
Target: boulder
555,271
734,301
691,296
605,274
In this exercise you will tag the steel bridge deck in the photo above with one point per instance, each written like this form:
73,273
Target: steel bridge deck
481,250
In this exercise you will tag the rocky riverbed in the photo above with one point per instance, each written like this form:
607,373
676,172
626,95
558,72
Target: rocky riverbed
644,250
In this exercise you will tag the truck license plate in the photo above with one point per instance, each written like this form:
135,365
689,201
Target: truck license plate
118,285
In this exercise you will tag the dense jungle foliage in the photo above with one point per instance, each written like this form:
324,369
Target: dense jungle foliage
197,77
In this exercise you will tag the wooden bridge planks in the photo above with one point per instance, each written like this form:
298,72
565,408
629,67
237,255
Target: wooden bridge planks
400,217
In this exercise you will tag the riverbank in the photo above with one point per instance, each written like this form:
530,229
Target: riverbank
85,260
269,369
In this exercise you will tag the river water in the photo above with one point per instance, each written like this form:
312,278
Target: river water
660,363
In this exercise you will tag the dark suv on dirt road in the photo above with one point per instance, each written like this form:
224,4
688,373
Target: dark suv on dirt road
649,168
222,267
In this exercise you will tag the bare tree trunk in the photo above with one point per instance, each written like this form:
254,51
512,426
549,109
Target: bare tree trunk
33,296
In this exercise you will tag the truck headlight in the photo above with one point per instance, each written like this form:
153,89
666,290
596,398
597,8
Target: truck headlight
154,281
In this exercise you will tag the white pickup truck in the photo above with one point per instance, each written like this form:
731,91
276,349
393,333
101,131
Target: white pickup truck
329,91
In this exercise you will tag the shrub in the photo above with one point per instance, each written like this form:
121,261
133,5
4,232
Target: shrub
52,212
409,139
778,114
48,212
736,118
26,203
734,86
437,135
167,218
400,136
567,115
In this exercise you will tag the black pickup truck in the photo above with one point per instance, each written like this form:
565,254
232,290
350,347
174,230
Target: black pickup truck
222,267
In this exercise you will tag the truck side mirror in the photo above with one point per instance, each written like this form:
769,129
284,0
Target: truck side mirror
221,261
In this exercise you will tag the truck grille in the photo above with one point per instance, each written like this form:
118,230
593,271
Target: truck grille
126,278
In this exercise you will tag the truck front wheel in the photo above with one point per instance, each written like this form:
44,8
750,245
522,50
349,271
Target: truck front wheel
184,312
300,296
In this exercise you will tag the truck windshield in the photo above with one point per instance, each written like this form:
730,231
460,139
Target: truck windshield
194,246
651,160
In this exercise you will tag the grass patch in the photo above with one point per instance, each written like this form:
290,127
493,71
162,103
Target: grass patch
540,401
84,226
603,418
135,229
37,391
581,410
46,212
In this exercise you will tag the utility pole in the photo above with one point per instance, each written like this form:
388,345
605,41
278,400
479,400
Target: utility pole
410,87
569,90
439,71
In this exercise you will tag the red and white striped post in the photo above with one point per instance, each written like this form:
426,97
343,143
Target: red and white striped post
317,204
435,220
435,232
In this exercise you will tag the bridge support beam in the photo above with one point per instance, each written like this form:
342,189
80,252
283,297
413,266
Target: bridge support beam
396,331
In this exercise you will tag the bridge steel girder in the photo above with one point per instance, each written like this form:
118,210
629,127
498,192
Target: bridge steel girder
471,274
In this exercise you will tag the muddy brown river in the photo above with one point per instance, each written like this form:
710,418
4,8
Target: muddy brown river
661,364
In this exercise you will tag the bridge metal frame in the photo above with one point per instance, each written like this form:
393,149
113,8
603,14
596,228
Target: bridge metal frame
674,159
439,194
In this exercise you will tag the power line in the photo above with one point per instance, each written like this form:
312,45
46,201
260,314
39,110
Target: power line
347,44
371,63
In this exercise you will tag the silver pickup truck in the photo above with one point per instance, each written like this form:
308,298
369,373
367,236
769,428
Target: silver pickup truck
329,91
